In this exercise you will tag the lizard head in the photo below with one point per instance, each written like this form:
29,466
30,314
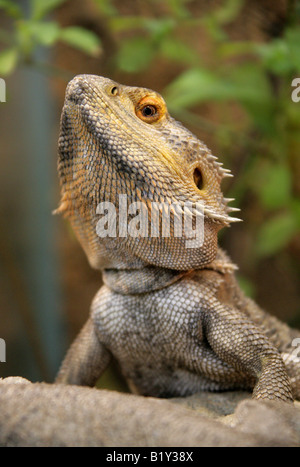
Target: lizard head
127,170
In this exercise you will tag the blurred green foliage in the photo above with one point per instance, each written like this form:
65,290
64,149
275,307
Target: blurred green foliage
256,75
32,30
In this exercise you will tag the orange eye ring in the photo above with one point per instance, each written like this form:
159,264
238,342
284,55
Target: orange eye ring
150,110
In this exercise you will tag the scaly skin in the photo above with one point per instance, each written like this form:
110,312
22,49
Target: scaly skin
174,317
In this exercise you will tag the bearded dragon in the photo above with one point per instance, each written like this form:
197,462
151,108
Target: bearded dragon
171,314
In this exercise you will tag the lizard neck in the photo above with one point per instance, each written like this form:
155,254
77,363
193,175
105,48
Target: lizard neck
150,278
137,281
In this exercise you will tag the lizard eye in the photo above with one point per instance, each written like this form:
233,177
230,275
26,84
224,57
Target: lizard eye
198,179
149,110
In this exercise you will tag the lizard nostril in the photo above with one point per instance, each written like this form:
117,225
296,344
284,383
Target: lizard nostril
114,91
76,89
198,179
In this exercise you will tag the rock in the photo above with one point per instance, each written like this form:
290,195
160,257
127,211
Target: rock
54,415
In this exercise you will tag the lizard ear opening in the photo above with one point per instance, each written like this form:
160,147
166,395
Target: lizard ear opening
198,179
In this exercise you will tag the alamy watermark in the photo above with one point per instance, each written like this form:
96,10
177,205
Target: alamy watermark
296,92
2,351
152,219
2,90
293,356
2,341
296,353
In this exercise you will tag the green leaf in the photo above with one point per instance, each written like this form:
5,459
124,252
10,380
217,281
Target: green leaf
245,84
295,207
194,86
10,7
274,187
276,233
135,54
126,23
275,56
159,28
228,12
282,56
82,39
246,285
45,33
178,9
8,61
24,38
41,8
232,49
293,42
253,90
106,7
176,50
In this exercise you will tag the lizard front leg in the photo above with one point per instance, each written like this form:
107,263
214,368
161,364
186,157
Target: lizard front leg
86,359
240,343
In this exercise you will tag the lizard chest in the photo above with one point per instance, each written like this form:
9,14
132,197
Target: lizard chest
158,337
162,326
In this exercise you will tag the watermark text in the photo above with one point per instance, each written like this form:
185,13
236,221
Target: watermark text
296,92
293,356
2,90
152,219
2,351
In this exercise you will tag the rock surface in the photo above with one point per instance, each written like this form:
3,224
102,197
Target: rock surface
52,415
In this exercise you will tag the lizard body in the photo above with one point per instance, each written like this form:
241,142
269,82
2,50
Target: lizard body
174,317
